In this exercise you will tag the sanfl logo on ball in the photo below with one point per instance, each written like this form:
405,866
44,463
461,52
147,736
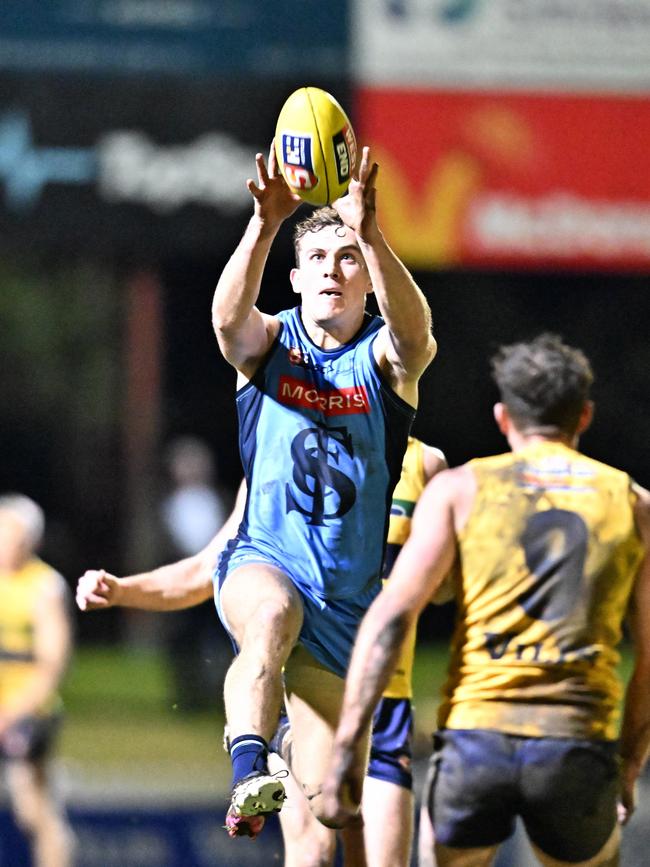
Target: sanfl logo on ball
298,162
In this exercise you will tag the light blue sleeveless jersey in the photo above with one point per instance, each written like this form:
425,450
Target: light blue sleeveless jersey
322,437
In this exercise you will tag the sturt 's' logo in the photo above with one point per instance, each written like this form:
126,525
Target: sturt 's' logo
330,401
320,491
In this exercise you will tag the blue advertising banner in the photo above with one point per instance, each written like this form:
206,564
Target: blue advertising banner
178,36
151,837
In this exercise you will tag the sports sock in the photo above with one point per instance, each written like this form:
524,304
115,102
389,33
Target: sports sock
281,742
248,754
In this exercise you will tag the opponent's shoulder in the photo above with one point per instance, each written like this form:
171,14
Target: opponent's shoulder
450,484
433,461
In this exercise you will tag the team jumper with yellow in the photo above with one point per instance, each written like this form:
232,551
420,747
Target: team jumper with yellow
548,558
406,494
20,592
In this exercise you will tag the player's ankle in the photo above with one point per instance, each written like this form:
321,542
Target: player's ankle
248,754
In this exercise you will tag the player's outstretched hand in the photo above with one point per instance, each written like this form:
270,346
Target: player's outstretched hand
97,589
274,201
357,207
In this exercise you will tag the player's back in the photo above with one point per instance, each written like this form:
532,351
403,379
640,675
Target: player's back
548,558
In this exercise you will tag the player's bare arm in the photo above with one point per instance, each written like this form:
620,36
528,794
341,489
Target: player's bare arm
425,559
173,587
244,333
170,588
407,346
635,731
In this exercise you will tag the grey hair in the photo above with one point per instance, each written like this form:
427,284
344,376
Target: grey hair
28,513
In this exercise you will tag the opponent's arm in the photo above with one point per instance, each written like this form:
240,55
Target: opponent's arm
421,565
52,648
435,462
244,333
173,587
635,730
406,347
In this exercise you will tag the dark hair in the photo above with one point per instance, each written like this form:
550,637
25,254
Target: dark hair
543,383
317,220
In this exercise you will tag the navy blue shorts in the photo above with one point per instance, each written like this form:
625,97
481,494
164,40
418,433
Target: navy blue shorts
30,739
565,791
390,747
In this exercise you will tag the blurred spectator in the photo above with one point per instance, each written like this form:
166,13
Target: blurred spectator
35,645
194,510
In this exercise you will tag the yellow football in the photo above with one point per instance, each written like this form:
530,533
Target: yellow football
315,146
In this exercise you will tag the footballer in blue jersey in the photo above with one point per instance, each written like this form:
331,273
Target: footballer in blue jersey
325,397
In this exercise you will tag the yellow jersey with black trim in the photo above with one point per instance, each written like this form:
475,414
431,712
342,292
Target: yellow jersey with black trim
548,559
405,496
20,593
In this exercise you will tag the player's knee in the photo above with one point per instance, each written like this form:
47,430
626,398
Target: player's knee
352,823
275,623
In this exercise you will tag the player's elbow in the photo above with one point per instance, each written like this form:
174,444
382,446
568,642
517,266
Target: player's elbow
224,322
418,351
427,348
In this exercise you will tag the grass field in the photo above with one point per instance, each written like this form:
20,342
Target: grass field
122,723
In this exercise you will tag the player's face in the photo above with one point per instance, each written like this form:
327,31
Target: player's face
332,277
14,545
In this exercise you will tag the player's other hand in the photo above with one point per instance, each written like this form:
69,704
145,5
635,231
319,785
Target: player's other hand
342,789
627,797
97,589
274,200
357,207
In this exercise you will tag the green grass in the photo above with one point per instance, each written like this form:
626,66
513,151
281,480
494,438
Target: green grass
121,720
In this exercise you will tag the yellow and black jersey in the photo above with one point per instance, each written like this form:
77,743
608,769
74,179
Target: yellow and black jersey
548,559
406,494
20,593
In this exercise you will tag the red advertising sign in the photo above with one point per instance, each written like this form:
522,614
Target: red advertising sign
511,179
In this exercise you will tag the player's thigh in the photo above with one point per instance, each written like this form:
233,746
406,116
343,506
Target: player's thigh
569,798
307,843
387,791
388,823
425,838
478,856
259,597
608,856
314,699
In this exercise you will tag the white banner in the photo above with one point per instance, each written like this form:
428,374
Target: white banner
565,45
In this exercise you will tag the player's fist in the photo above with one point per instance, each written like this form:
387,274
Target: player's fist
342,788
97,589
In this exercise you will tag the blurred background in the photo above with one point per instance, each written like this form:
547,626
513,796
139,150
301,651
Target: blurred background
512,144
